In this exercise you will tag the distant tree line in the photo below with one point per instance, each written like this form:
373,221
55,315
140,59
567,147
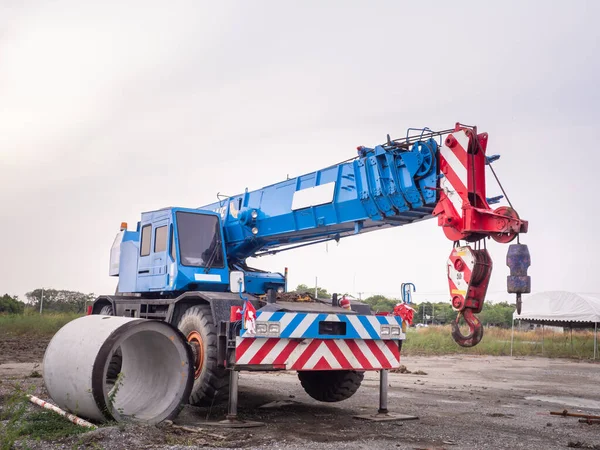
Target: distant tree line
11,305
441,313
55,300
59,300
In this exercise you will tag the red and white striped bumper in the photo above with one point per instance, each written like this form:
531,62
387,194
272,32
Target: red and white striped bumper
318,354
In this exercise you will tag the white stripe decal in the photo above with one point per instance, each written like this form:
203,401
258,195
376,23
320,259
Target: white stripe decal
252,350
207,277
264,315
457,167
333,362
359,327
452,195
285,321
332,318
351,357
392,320
368,353
275,351
375,324
303,326
387,352
462,139
316,356
297,352
313,196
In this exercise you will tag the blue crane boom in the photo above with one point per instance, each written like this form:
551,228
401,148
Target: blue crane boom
384,186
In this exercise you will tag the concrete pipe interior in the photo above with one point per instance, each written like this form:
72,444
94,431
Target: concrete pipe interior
156,373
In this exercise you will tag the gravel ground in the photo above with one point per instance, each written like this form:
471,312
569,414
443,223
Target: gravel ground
462,402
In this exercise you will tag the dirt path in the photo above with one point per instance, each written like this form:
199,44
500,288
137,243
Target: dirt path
462,402
22,348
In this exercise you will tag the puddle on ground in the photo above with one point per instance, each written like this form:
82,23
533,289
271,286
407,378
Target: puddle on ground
568,401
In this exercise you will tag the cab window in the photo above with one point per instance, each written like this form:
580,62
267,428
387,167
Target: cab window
199,240
145,244
160,239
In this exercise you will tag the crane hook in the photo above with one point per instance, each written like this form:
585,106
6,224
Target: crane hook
475,329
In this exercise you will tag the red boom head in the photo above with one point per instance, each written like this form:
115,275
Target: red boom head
462,209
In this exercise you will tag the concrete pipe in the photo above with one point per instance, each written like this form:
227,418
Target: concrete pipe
156,376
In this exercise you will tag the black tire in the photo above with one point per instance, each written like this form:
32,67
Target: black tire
211,383
331,385
106,310
114,366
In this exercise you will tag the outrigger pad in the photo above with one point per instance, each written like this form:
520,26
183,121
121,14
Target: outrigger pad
385,417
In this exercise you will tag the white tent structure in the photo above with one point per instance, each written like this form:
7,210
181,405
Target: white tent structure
561,308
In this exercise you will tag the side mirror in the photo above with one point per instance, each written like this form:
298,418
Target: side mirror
236,278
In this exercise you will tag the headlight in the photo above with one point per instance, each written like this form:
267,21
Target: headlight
395,331
267,328
254,214
280,289
385,331
254,230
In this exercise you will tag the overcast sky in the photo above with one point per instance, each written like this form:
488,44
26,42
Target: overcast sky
111,108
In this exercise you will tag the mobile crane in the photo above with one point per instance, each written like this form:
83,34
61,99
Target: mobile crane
188,266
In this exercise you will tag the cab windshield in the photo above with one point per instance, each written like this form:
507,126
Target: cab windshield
199,240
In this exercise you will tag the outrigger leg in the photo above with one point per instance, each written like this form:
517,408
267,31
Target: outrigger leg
383,415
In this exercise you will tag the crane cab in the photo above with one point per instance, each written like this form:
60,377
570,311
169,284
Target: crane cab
180,250
172,249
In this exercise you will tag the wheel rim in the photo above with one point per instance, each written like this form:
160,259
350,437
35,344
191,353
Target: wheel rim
195,340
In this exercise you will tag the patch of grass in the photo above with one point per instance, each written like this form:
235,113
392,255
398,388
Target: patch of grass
34,324
35,373
47,425
12,413
437,340
18,422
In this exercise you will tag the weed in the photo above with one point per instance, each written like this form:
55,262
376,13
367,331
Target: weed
17,422
48,425
112,395
11,418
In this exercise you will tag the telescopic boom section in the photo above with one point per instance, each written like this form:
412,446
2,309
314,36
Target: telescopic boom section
393,184
389,185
